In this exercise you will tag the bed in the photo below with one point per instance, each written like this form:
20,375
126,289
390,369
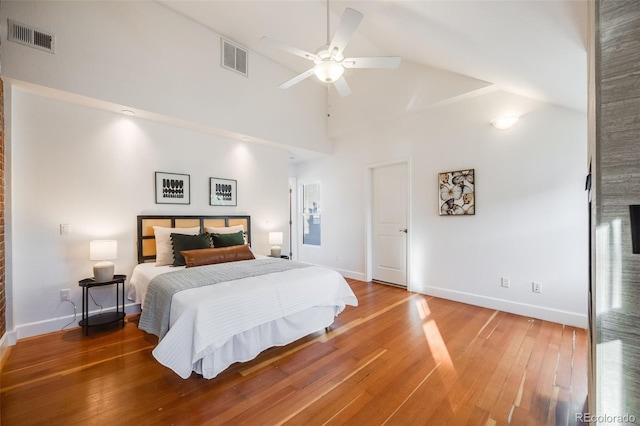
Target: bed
208,316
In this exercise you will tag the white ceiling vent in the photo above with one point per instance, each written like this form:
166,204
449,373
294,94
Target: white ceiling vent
29,36
234,57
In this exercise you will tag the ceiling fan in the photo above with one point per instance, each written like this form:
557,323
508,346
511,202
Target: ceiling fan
329,60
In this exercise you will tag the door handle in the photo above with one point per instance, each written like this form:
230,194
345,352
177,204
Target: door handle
403,230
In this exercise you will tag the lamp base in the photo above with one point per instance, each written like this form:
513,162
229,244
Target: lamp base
276,251
103,271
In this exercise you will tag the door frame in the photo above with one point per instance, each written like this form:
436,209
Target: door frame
293,218
368,219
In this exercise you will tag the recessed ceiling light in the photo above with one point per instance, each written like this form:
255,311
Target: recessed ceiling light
504,123
127,112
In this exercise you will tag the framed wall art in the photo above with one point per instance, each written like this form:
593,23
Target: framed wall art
222,192
172,188
457,193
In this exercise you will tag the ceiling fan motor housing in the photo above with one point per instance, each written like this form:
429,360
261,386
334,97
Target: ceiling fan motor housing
328,66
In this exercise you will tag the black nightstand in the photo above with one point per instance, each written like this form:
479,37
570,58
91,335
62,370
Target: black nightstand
284,256
104,317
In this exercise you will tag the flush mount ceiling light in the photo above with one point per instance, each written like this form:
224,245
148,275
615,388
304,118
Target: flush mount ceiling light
504,123
127,112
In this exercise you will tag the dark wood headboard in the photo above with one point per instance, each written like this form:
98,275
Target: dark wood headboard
147,240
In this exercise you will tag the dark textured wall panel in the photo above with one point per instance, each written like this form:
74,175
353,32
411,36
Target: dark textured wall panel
617,287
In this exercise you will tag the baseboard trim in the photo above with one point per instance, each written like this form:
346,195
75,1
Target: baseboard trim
344,272
350,274
5,350
534,311
67,322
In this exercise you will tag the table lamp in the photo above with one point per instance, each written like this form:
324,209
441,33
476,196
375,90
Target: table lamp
103,251
275,239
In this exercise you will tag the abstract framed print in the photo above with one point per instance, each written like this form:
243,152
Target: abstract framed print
456,191
172,188
222,192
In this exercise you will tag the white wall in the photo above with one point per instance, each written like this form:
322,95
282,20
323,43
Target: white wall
94,170
531,211
531,220
141,55
390,93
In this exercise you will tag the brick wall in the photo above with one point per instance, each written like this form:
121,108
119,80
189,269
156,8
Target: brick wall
3,319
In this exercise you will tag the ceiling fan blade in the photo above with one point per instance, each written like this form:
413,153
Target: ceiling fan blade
348,25
342,87
288,48
297,79
372,62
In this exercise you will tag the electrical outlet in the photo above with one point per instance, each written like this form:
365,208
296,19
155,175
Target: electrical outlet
504,282
65,295
536,287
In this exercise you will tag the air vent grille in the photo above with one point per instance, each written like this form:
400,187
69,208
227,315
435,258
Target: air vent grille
234,57
29,36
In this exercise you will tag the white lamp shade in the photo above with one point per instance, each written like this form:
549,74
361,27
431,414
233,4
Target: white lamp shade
275,238
103,250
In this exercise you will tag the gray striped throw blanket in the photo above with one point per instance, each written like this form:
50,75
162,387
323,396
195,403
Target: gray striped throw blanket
157,303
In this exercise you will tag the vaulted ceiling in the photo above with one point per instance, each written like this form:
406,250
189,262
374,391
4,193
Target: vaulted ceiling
528,47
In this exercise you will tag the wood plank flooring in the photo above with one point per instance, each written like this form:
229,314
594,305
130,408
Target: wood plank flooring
399,358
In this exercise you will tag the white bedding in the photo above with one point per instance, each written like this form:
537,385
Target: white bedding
142,275
212,327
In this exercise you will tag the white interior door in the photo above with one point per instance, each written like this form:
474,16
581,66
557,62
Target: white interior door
389,224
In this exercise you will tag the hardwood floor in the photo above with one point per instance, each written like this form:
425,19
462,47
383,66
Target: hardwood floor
398,358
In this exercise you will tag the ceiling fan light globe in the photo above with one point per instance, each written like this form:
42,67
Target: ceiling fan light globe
328,71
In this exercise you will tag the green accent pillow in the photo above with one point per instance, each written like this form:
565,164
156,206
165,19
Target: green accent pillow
228,240
183,242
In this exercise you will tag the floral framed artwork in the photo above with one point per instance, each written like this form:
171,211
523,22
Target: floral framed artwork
172,188
457,193
222,192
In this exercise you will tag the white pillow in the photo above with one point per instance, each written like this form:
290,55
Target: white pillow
164,248
225,229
